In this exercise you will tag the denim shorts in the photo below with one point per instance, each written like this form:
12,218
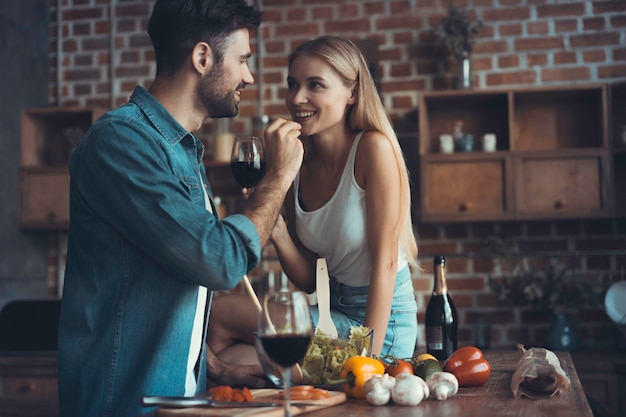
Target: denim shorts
348,309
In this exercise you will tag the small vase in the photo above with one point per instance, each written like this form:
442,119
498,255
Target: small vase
464,74
562,334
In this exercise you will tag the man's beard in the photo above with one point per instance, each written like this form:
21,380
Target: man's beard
218,101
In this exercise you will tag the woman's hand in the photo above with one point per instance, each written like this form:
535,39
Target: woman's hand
280,229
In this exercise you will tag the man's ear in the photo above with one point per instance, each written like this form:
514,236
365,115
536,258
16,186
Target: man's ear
202,58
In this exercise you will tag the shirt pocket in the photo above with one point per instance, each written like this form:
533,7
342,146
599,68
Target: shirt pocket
193,187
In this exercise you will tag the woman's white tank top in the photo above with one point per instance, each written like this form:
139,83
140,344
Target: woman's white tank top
337,231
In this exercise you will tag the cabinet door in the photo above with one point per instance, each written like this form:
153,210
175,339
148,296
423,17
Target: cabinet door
460,189
550,186
45,203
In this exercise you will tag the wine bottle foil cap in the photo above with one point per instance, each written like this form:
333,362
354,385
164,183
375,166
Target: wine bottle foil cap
440,260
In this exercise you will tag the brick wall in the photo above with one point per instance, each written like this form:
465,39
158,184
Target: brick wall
102,51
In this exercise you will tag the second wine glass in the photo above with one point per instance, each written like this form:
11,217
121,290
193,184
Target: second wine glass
247,160
285,331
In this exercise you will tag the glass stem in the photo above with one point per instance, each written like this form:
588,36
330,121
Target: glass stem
286,392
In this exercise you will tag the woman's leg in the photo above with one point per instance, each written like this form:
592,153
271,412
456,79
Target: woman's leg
232,324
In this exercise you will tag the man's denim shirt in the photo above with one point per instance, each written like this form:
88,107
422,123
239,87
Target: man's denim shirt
140,244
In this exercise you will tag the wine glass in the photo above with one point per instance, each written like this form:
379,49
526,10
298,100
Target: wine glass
247,160
285,331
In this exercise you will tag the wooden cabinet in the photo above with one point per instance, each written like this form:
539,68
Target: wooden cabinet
48,137
28,384
601,379
552,158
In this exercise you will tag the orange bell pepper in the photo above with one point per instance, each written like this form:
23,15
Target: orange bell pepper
357,370
469,366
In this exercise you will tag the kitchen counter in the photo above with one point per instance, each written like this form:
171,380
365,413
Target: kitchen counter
493,399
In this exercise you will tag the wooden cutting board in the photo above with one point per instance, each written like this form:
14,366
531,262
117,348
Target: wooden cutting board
259,395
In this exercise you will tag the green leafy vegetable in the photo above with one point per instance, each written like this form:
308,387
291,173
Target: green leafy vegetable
326,355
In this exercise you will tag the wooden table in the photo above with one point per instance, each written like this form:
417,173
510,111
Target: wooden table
493,399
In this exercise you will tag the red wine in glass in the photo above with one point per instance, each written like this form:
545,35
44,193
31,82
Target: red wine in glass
248,173
285,330
286,349
247,161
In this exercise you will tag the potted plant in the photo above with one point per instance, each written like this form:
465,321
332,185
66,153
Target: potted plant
457,33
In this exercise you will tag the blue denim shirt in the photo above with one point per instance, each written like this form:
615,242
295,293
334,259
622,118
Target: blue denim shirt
140,244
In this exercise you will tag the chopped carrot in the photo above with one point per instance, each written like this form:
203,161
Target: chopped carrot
247,395
228,393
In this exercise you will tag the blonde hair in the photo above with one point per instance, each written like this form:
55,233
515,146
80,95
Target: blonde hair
366,114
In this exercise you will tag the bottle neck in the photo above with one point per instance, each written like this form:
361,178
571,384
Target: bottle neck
440,287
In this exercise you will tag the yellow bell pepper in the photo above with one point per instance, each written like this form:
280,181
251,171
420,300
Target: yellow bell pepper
356,371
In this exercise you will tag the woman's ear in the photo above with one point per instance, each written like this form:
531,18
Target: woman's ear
202,58
354,94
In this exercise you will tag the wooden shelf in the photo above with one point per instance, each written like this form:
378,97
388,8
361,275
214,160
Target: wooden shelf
553,158
48,137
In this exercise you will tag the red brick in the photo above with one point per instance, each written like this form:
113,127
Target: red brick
559,10
618,21
325,12
481,64
126,26
612,71
461,301
595,23
533,44
422,284
347,10
353,25
82,13
566,74
82,75
501,14
374,7
594,56
391,86
619,54
83,60
296,15
403,101
136,9
510,78
302,29
594,39
508,61
565,57
510,29
81,29
490,47
487,300
537,28
565,25
465,283
69,45
102,28
399,22
537,59
611,6
138,41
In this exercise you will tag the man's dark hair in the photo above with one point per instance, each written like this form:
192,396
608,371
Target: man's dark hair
176,26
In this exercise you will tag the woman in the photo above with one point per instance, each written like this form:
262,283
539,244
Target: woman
350,204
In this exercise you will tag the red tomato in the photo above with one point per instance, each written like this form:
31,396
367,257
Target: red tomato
398,366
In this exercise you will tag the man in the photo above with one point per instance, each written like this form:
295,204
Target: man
145,250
